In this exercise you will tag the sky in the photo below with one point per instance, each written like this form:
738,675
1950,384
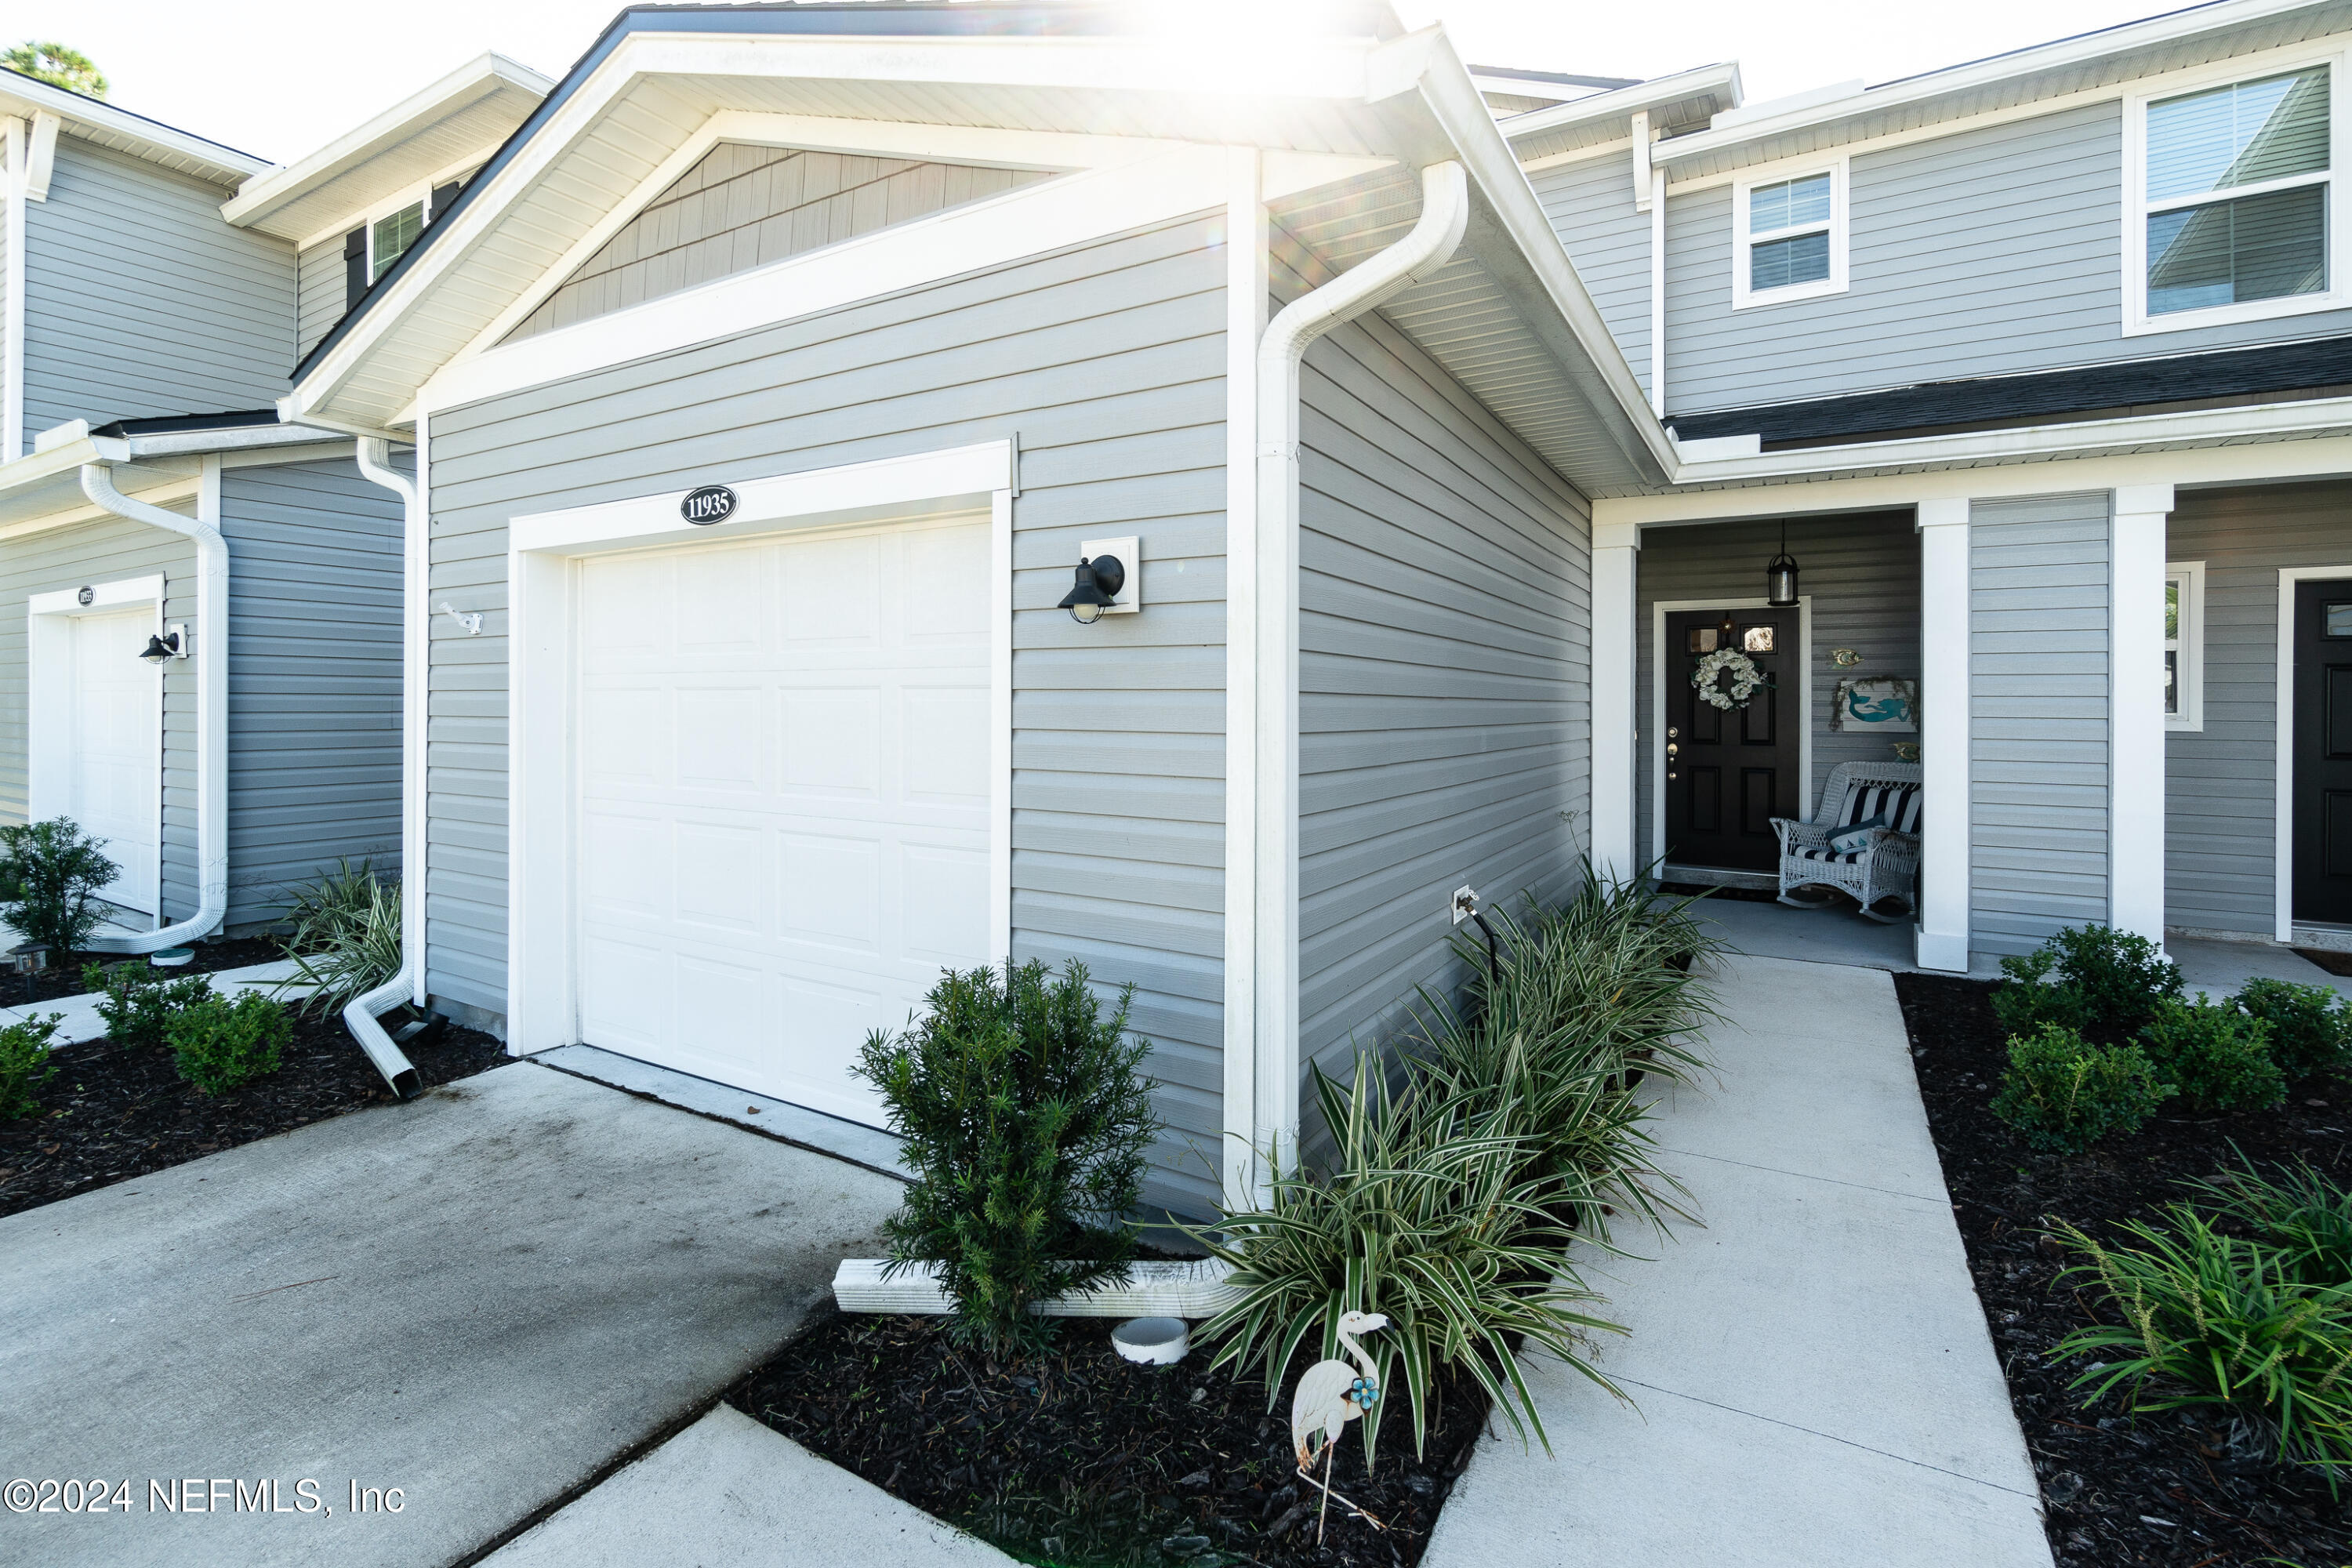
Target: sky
279,79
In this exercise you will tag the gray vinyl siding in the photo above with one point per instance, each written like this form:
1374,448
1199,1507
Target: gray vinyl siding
2220,808
314,678
1590,206
743,206
320,284
96,552
1108,359
1445,678
1989,251
139,300
1862,575
2039,640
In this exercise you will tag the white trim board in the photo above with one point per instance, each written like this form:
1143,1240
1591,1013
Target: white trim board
542,974
49,722
2283,757
1658,613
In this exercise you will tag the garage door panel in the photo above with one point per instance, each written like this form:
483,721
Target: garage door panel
632,601
114,748
784,810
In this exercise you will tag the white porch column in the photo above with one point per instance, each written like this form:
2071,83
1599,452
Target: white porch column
2136,710
1616,549
1943,932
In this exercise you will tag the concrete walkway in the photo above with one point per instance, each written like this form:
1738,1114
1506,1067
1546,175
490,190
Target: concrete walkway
1815,1381
78,1018
487,1298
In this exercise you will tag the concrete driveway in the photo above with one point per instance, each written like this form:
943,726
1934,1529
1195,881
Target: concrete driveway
485,1299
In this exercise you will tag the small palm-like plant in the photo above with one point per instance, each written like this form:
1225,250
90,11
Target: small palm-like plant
345,935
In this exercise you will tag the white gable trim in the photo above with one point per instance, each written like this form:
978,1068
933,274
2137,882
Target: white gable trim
1165,183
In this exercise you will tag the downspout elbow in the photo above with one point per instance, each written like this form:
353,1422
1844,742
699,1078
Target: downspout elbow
211,654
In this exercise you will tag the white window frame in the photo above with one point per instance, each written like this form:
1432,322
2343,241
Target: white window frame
419,197
1742,296
2136,321
2188,669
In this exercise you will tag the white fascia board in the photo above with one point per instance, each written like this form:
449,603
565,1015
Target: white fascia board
253,438
273,190
1446,90
25,96
2051,56
1723,79
957,477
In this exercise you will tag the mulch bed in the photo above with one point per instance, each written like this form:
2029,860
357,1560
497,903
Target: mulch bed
63,977
116,1111
1076,1457
2177,1489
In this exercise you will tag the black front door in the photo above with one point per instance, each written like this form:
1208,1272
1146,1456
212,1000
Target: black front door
1730,772
2323,752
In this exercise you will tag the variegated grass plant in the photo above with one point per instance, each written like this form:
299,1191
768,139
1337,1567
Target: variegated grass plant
344,936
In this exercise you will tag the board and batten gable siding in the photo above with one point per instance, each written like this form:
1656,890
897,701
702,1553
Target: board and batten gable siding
1444,679
742,207
105,551
1862,574
1591,205
320,282
2220,808
2039,620
314,678
140,302
1986,252
1108,359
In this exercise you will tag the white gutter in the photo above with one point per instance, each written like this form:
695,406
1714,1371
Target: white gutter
12,295
209,649
1274,854
407,985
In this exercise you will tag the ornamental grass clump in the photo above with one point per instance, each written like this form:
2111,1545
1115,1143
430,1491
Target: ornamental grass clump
2299,1213
1020,1111
25,1065
2311,1030
2209,1318
55,872
2218,1057
343,934
220,1045
2104,983
138,1002
2063,1094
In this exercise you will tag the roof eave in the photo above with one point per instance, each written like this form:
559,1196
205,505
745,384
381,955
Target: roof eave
1722,79
21,94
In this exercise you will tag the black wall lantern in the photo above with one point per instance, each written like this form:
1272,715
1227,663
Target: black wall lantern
163,647
1781,577
1095,590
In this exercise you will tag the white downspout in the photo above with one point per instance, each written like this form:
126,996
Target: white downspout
408,984
11,294
209,649
1444,216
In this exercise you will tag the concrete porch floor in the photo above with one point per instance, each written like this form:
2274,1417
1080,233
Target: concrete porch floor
1840,935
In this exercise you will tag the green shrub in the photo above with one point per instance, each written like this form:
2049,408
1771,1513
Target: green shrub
2213,1320
2219,1057
2104,983
1425,1216
220,1043
2062,1095
1020,1111
2311,1031
25,1065
344,936
54,871
2300,1212
139,1001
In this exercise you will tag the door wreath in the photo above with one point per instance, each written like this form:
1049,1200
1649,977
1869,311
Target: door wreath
1745,679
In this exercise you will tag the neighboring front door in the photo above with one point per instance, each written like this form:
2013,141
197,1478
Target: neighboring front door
2323,752
114,748
1729,772
784,809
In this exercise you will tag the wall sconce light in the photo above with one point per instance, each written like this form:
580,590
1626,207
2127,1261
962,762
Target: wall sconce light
1781,577
1109,580
164,647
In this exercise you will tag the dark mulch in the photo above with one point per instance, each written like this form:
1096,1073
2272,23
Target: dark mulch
117,1111
2170,1489
1078,1457
63,977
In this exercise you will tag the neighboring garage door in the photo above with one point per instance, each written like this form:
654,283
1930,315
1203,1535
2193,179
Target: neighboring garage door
783,822
115,748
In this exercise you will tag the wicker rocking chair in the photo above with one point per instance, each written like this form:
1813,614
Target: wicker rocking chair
1884,866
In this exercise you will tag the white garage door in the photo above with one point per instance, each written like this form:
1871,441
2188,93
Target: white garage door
114,748
784,821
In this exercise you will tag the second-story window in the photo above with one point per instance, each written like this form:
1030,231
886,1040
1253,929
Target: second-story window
2234,196
1789,237
390,237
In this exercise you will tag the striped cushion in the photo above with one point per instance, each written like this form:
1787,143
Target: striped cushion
1830,856
1898,803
